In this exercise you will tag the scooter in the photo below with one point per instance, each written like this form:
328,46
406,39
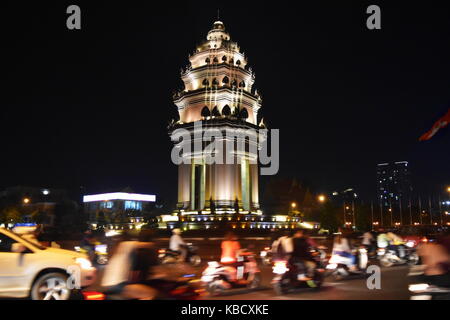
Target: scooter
266,256
389,257
338,265
100,255
421,290
290,276
245,273
185,288
168,256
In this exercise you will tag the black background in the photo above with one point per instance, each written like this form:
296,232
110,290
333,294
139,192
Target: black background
90,108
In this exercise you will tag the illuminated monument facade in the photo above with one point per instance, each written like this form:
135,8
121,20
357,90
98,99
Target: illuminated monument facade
218,93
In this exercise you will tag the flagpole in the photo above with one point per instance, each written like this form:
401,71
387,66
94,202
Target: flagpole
440,210
353,211
420,210
401,215
431,214
371,210
381,212
392,213
410,211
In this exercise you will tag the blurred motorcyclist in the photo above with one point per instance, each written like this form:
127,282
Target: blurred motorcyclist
282,248
88,244
382,239
396,244
368,241
177,244
342,247
436,260
130,267
301,253
230,248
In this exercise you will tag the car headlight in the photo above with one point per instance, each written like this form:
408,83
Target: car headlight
84,263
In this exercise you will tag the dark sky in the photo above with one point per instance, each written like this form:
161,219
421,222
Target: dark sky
90,108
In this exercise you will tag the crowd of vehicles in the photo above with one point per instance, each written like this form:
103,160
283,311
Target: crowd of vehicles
31,270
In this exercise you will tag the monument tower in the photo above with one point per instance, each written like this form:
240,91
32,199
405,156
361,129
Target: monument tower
218,94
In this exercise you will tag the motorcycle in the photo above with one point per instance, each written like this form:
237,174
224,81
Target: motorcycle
421,290
389,257
338,265
245,273
168,256
290,275
266,256
100,254
184,288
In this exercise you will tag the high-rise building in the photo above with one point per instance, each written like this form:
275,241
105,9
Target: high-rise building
393,183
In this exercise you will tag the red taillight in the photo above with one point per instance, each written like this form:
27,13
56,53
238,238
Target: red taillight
92,295
266,248
161,251
424,239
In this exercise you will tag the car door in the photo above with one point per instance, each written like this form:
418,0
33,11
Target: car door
12,269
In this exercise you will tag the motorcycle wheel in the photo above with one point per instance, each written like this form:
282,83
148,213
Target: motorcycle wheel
213,289
256,282
195,260
166,260
413,259
386,263
102,260
280,288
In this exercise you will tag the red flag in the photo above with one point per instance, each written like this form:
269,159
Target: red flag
441,123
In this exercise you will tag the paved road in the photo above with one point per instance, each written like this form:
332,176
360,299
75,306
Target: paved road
393,287
394,283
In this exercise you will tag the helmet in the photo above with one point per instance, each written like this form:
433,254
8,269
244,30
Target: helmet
176,231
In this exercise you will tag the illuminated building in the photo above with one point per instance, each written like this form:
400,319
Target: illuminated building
218,93
394,183
118,210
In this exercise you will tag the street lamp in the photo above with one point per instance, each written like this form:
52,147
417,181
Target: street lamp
321,198
26,200
293,205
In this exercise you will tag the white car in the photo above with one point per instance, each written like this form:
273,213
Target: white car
28,269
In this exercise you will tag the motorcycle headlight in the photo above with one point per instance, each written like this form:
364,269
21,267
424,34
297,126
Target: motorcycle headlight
331,266
101,248
280,268
263,253
207,278
410,244
83,263
420,287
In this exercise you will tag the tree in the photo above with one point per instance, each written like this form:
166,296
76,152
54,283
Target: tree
327,215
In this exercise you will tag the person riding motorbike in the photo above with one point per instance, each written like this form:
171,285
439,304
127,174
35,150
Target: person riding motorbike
282,247
368,241
301,254
342,247
177,244
130,267
436,262
382,240
230,249
88,244
396,244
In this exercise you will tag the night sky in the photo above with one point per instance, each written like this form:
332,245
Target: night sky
90,108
